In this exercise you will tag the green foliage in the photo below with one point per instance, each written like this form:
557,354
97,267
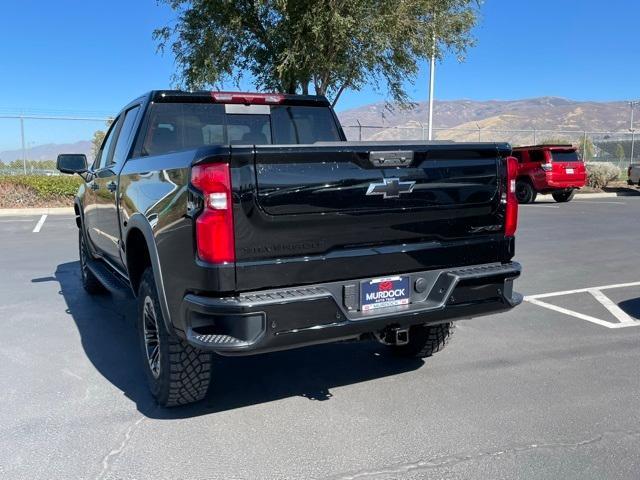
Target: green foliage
554,141
586,149
96,141
601,173
98,138
322,45
619,152
42,164
31,165
45,186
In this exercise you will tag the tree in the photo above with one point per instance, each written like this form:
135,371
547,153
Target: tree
586,149
324,46
619,152
98,138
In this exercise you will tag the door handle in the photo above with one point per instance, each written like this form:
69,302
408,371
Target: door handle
94,186
112,186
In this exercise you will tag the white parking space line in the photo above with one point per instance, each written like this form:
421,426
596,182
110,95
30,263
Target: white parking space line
614,309
573,313
538,205
38,226
582,200
580,290
623,318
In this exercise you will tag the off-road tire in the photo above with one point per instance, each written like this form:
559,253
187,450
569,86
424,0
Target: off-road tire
89,281
424,340
184,371
563,196
525,192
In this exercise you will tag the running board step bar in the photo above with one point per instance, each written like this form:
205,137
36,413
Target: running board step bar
109,280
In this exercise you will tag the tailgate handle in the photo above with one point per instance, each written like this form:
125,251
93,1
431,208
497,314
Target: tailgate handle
397,158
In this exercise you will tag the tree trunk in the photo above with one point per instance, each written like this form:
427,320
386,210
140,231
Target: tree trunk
337,97
292,86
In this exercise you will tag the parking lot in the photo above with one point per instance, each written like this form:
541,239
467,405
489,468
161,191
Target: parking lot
549,390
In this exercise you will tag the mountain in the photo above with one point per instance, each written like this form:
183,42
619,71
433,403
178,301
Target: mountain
498,120
48,151
460,119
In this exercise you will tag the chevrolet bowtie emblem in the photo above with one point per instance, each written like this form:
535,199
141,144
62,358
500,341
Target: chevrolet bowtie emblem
390,188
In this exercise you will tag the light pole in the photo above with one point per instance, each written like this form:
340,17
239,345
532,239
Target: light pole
432,78
24,150
30,152
631,129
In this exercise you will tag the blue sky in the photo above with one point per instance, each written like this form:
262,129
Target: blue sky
90,57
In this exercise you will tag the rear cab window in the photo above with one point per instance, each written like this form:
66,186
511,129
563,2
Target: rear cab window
174,127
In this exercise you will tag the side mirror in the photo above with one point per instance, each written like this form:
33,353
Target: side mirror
72,163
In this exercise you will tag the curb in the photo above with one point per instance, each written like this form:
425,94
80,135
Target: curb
20,212
587,196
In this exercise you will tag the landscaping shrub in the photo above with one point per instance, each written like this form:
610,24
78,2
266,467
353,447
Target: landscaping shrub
59,185
37,190
601,173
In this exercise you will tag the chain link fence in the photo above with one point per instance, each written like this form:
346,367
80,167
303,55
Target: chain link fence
29,144
613,147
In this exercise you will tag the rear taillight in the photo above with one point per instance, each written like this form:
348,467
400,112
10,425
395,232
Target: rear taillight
511,214
214,225
547,167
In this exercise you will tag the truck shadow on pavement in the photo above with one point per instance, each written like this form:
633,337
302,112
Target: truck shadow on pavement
109,339
631,307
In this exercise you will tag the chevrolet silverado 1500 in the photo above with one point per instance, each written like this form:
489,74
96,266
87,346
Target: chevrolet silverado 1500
246,223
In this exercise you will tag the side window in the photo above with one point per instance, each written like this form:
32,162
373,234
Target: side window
124,137
173,127
103,154
518,155
537,156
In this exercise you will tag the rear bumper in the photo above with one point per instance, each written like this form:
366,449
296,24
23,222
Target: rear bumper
271,320
556,182
555,185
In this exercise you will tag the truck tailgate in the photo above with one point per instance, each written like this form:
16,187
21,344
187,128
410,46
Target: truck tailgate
322,212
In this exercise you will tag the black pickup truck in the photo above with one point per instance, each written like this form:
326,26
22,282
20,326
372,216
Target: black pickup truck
247,223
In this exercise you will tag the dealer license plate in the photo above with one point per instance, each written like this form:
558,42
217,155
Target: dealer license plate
384,292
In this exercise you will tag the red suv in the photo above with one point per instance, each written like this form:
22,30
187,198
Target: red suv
554,169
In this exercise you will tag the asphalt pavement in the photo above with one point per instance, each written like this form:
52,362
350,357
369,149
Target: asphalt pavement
549,390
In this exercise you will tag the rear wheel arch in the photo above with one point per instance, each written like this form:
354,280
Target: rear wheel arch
138,258
79,213
528,179
142,252
525,178
76,210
